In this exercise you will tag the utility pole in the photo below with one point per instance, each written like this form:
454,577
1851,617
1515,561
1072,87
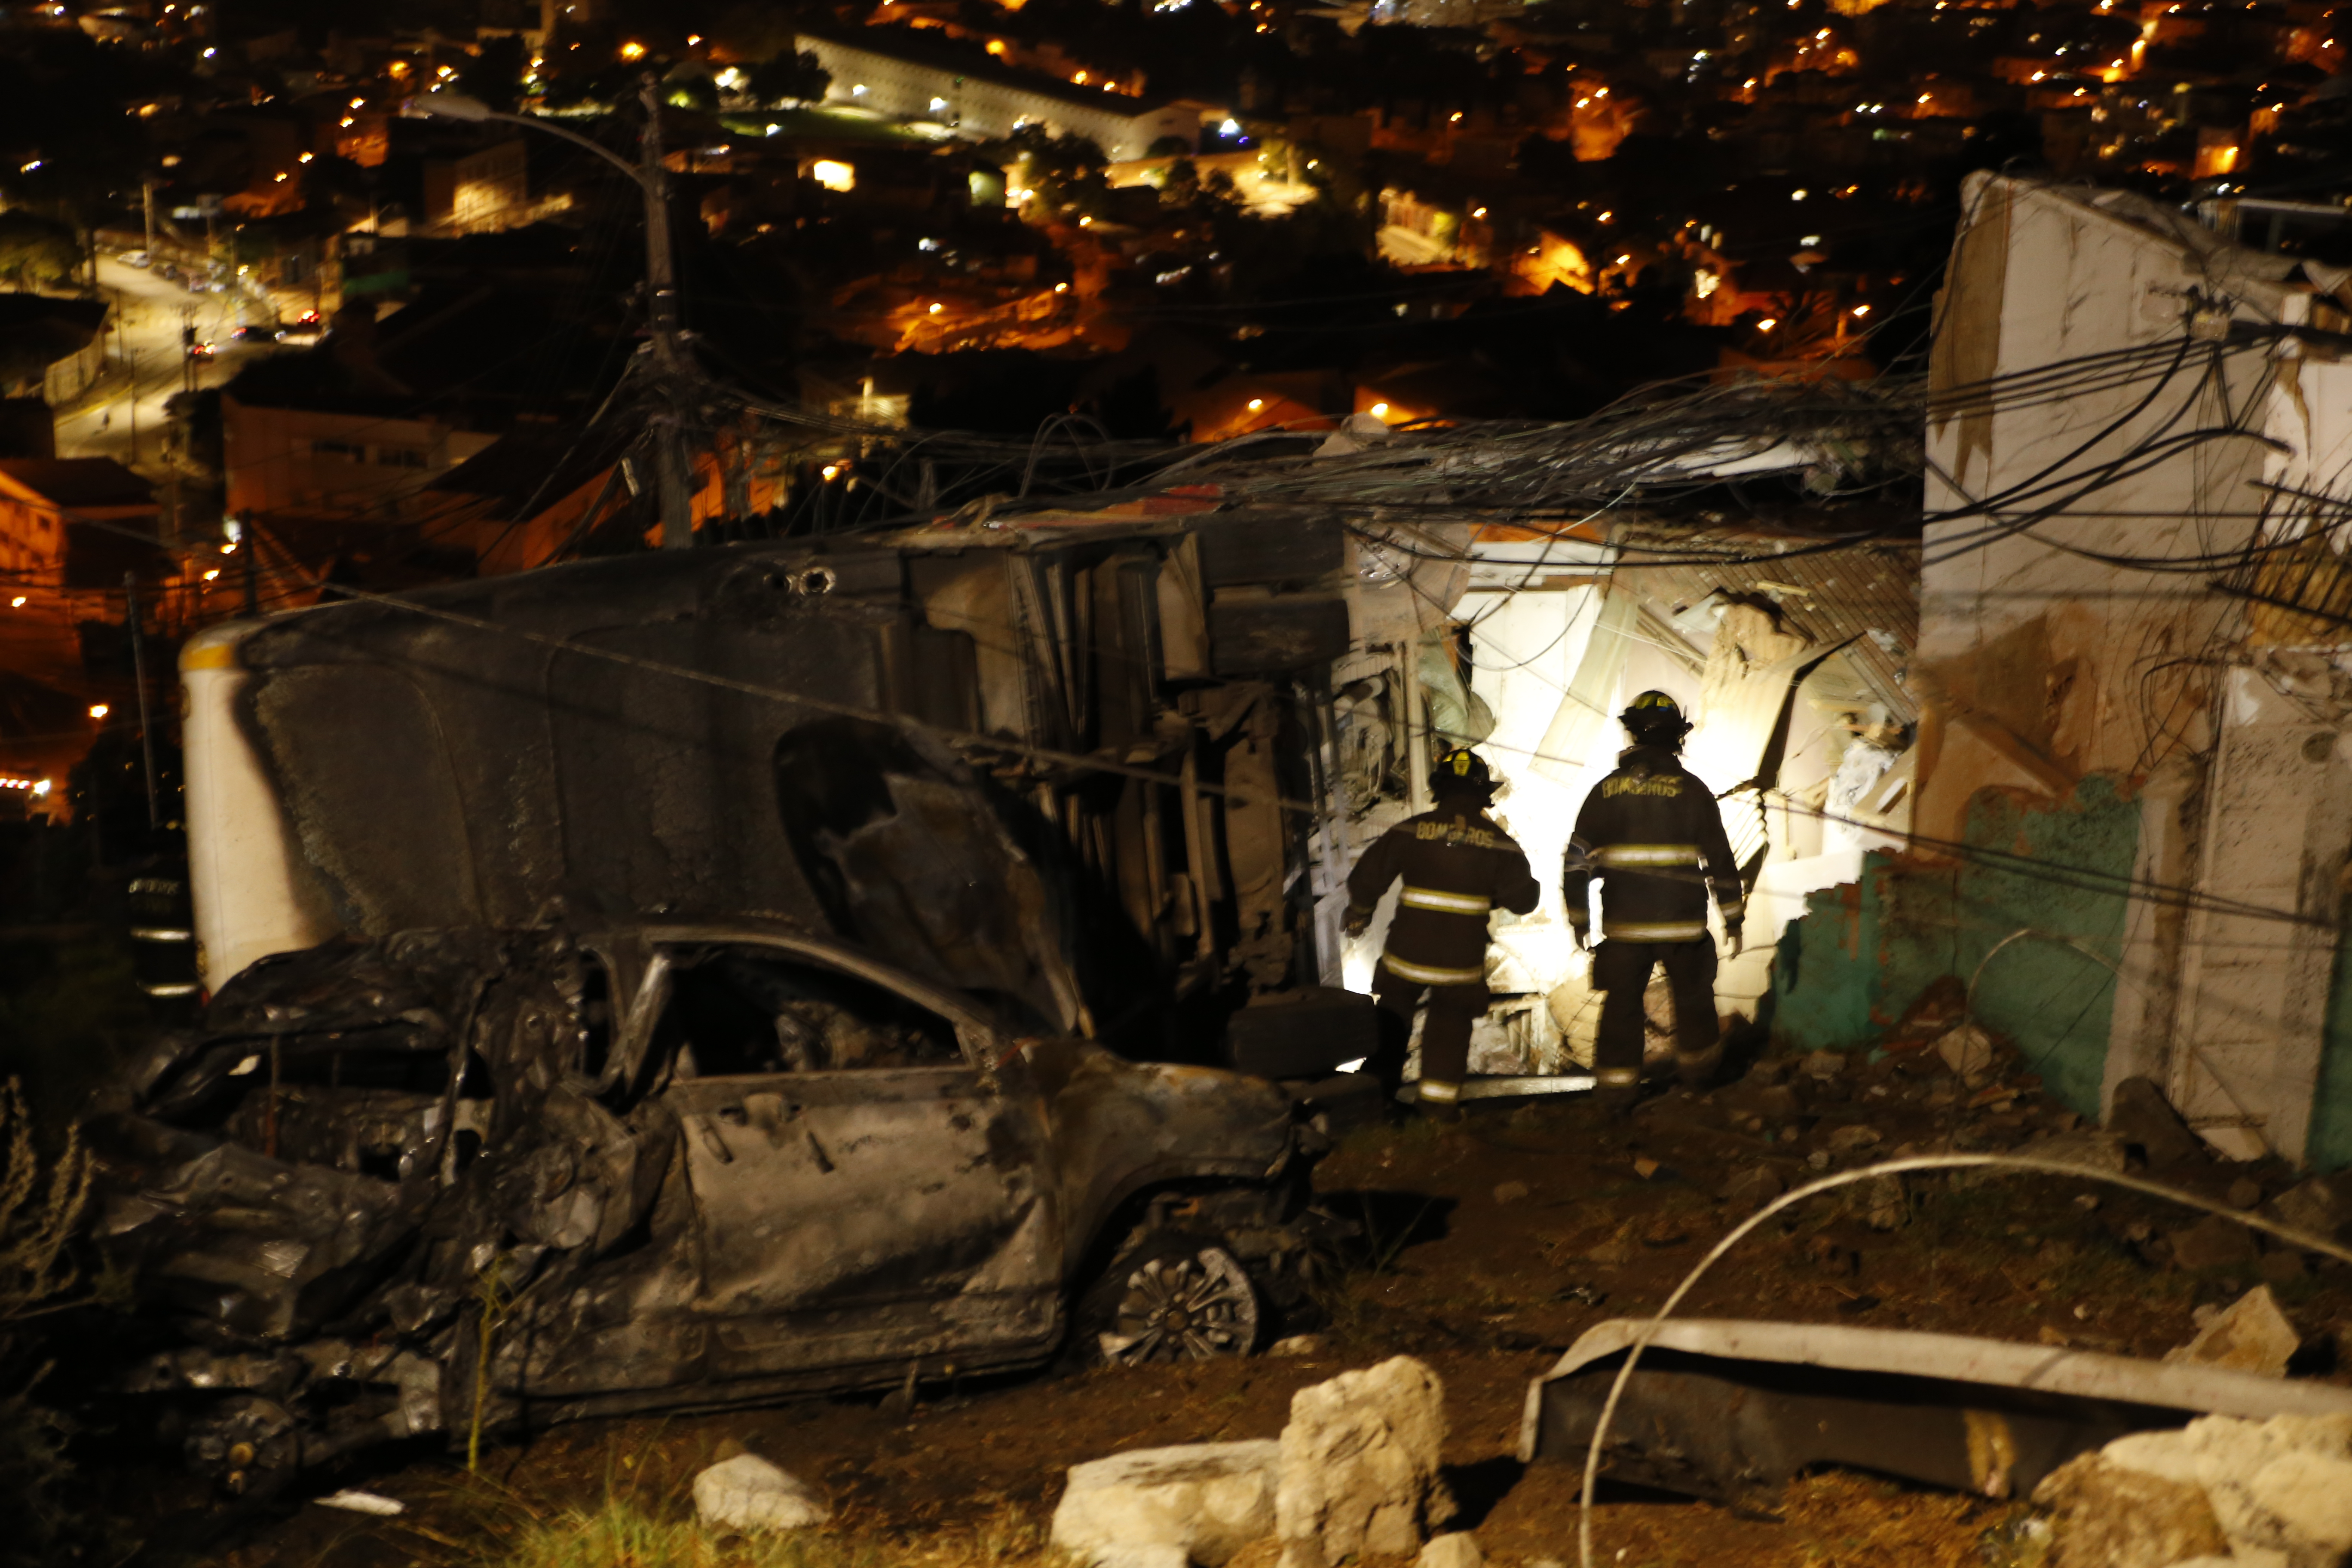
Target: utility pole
673,480
147,186
138,679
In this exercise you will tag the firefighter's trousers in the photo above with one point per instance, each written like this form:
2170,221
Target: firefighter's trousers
1445,1033
1622,970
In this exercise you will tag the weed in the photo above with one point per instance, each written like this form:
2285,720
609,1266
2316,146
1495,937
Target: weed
621,1533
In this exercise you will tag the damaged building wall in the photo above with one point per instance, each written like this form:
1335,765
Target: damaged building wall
2132,575
2038,959
1547,638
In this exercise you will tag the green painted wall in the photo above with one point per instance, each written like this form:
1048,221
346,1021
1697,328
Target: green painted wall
1862,952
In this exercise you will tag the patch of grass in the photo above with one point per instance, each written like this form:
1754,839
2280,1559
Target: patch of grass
624,1533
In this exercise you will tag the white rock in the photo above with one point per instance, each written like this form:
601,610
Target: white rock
2253,1335
1149,1556
2281,1489
747,1493
1359,1466
2308,1497
1456,1549
1304,1346
1966,1050
1202,1501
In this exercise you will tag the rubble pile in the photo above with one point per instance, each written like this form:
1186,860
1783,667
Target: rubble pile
1354,1474
2262,1494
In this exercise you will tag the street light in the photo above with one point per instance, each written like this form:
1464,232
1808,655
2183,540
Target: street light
661,284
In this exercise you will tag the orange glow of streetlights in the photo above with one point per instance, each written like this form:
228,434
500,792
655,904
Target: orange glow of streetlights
98,710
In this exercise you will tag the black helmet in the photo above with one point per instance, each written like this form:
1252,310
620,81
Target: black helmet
1461,772
1655,720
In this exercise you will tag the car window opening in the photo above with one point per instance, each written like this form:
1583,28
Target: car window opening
732,1013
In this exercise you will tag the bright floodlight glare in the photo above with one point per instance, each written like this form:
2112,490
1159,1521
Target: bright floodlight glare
98,709
1229,127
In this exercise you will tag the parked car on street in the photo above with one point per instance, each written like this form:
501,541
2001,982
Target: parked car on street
452,1179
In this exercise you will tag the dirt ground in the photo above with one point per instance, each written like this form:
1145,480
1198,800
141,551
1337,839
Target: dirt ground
1487,1248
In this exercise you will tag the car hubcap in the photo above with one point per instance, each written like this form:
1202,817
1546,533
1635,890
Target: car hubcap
1193,1307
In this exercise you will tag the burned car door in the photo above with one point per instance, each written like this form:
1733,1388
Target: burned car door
868,1185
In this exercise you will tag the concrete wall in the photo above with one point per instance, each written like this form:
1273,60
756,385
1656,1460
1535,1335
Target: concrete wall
2042,665
314,463
2041,957
2124,340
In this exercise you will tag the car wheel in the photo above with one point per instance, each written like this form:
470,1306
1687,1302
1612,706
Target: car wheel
1172,1298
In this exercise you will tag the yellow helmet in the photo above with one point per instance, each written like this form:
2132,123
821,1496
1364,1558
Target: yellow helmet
1461,771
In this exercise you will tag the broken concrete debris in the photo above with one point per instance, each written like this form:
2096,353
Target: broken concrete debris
1359,1466
2104,1516
2140,1114
747,1493
2212,1242
1753,1187
2252,1335
2276,1493
1967,1050
2315,1207
1206,1500
1454,1549
1354,1473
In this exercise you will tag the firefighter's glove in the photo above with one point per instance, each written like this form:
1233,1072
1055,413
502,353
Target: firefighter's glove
1731,942
1358,921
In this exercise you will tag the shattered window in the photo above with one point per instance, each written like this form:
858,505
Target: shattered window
737,1011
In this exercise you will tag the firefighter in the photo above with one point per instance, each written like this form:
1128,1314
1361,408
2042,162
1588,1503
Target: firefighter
1652,833
1456,865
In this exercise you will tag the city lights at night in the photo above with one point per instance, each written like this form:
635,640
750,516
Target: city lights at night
1062,783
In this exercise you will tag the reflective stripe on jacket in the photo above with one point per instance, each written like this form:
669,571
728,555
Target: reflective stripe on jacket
1456,865
1651,831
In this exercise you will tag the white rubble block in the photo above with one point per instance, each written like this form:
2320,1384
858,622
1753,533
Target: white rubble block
1456,1549
1967,1050
747,1493
2251,1335
2281,1489
1197,1502
2109,1515
1359,1466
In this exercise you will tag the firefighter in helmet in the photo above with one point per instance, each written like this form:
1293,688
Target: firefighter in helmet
1456,865
1652,833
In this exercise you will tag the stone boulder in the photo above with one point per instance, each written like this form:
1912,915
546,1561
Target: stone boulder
2108,1516
747,1493
1456,1549
1201,1502
2252,1335
2277,1492
1359,1466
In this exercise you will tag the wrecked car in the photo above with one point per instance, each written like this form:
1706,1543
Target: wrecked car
453,1181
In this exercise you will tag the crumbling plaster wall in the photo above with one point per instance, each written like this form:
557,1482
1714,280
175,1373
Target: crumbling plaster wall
2050,658
2040,960
2038,664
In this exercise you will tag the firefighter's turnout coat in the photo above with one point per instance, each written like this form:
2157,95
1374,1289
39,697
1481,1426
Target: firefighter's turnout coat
1652,833
1456,865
